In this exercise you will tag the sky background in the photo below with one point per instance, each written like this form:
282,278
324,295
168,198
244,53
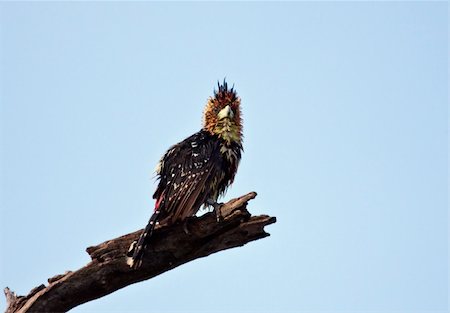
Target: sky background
345,124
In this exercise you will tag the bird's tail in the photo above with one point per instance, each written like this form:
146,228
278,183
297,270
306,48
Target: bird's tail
136,251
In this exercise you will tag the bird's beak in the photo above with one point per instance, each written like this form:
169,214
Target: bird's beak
226,112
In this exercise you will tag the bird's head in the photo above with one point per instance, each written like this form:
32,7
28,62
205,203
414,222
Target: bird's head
222,115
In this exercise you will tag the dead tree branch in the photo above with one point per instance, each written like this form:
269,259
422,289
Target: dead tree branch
108,271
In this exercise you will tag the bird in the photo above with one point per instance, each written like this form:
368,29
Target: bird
198,170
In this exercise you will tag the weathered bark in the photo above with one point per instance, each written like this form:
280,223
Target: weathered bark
171,246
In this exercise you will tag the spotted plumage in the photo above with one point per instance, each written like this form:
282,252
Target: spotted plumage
199,169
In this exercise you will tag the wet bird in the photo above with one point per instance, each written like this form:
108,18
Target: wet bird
198,170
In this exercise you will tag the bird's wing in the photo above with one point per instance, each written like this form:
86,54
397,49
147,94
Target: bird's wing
186,172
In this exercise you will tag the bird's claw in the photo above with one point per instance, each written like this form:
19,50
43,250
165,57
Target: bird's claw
216,207
219,216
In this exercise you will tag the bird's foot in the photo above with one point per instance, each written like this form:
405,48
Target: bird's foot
217,210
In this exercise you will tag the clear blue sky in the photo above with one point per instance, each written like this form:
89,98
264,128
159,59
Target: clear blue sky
345,112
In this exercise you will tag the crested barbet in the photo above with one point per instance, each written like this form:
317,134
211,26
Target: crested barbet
198,170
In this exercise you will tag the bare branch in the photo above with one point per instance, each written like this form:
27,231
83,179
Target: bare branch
171,247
